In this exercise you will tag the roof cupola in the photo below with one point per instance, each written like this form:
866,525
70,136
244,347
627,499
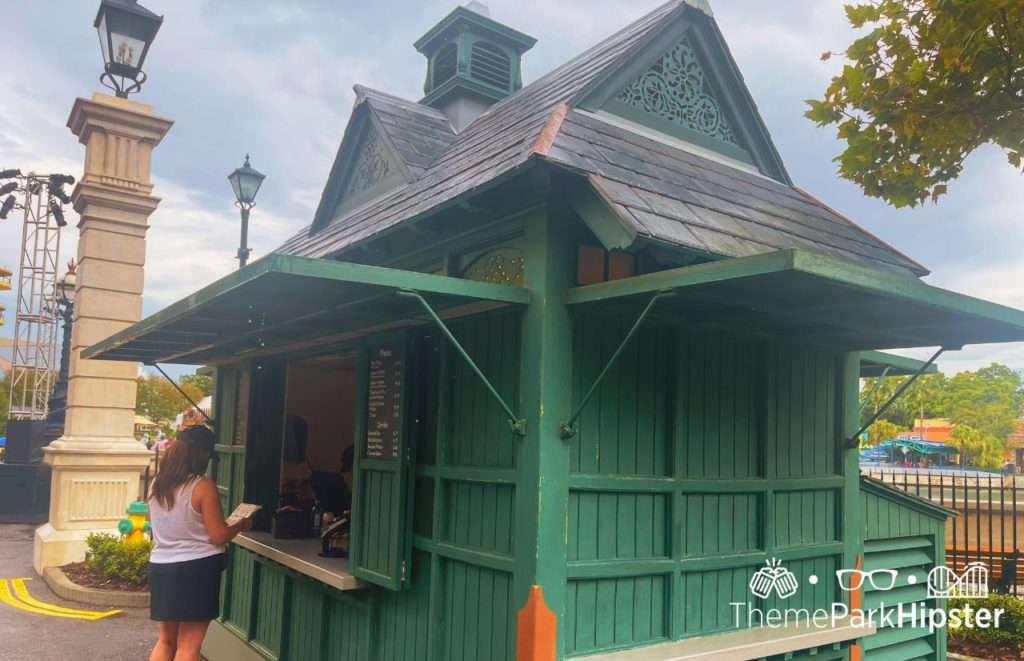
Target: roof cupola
472,62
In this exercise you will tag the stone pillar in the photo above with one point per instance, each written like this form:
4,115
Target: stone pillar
97,463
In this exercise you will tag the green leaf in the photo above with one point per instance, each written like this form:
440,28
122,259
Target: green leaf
858,15
928,83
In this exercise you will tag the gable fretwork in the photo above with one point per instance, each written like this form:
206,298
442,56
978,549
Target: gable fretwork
372,172
372,165
683,85
675,89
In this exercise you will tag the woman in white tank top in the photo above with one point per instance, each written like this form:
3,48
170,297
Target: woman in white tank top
190,535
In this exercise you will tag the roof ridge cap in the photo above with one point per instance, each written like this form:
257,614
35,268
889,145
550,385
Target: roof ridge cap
549,131
364,93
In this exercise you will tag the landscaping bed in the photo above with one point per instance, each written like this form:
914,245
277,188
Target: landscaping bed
78,574
987,651
1001,643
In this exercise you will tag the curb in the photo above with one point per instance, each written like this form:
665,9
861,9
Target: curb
65,589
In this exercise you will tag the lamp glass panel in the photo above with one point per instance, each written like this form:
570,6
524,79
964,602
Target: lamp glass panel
127,50
245,185
104,44
66,288
249,185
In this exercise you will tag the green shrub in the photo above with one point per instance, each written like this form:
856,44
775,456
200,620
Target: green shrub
112,557
1011,623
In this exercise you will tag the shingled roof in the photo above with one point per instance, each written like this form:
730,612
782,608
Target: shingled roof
419,133
663,192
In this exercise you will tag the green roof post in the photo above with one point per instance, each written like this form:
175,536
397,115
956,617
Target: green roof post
852,532
545,393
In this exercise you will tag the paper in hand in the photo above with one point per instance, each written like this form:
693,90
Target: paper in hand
243,511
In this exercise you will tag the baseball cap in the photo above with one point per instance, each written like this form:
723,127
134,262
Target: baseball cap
199,435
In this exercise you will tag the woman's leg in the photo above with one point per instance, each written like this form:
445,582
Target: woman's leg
166,642
190,639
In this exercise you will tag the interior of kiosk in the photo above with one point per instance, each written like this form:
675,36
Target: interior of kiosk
310,525
361,401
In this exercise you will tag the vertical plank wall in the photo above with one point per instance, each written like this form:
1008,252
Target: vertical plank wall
701,456
459,604
904,534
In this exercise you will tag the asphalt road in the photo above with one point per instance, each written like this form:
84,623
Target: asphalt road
26,636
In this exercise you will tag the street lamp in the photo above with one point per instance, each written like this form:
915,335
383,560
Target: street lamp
65,295
126,31
245,181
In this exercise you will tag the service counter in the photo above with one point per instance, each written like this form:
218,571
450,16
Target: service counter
302,556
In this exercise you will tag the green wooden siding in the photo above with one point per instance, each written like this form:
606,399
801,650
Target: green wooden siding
404,617
305,621
478,613
231,418
346,629
291,617
616,612
270,607
907,535
701,456
239,590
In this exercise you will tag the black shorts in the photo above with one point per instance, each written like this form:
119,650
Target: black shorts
187,591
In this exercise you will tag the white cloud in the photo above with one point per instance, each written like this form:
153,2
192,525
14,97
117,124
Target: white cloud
192,242
276,81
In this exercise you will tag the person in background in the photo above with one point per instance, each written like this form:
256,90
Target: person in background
189,534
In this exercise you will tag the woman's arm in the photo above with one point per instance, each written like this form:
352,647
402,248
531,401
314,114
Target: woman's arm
207,502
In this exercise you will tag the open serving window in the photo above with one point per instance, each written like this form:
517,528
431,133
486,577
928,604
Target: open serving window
319,382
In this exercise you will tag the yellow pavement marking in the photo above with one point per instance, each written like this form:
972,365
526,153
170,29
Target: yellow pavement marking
40,608
21,592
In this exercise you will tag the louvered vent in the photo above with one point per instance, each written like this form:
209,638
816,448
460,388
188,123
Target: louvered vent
489,64
444,64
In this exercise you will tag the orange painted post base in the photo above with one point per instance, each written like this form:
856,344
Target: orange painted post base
856,603
537,629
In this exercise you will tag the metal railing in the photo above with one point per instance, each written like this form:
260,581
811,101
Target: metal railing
986,528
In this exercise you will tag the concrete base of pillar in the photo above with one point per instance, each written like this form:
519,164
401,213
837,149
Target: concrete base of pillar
93,482
56,548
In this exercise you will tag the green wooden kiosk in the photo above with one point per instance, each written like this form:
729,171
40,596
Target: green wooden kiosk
596,356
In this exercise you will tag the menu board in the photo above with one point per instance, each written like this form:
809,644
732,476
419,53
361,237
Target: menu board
384,402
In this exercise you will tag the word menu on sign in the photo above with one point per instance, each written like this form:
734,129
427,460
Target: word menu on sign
384,402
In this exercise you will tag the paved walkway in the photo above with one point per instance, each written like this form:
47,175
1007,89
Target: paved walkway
33,636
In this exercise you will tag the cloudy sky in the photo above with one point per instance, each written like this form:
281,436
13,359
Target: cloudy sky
275,79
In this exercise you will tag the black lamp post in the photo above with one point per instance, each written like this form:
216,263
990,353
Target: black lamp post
245,181
126,31
57,405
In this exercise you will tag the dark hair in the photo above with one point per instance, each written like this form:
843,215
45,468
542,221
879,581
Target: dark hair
186,460
200,435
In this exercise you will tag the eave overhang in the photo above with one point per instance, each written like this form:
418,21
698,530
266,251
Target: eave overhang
285,304
880,363
799,296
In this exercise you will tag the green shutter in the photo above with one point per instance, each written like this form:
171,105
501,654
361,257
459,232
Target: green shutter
381,541
231,421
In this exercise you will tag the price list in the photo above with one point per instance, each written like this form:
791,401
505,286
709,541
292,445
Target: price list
384,403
